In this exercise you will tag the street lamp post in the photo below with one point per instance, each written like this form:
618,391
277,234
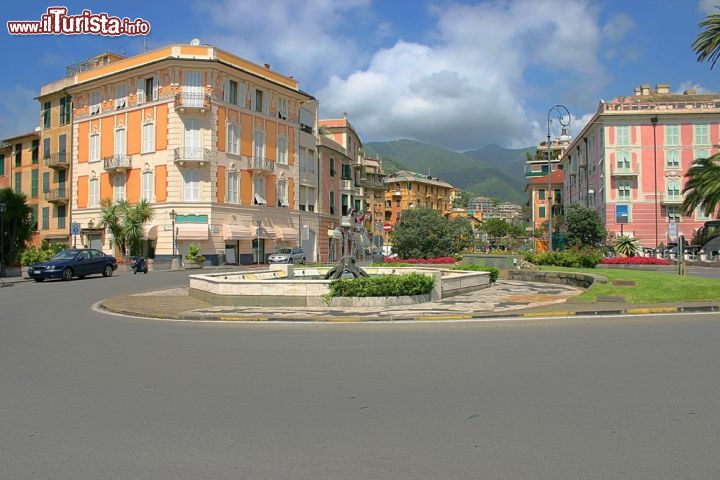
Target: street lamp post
175,262
2,239
654,121
562,112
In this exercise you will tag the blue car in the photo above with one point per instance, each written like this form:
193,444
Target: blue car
74,263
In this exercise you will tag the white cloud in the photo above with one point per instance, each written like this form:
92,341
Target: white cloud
617,27
20,112
707,7
468,88
689,85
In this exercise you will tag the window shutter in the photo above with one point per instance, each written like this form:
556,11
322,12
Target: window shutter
156,88
140,93
266,103
241,95
226,91
253,98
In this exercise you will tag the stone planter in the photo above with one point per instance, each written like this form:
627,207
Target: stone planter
193,265
502,262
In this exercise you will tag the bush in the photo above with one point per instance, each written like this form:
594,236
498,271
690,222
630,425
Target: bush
32,254
430,261
426,233
193,254
573,257
383,286
635,261
494,272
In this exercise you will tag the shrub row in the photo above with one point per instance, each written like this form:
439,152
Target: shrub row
635,261
438,260
573,257
383,286
494,272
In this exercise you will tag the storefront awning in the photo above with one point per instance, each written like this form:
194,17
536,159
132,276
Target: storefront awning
236,232
263,232
151,232
287,234
192,231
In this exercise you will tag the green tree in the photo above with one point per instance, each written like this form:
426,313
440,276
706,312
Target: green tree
461,234
584,227
702,188
17,224
126,224
496,228
707,43
422,233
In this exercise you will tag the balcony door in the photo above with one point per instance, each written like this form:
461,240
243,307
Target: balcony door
191,142
193,89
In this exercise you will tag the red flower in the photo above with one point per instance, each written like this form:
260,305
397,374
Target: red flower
439,260
635,261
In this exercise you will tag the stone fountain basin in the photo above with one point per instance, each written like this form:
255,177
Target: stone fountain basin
291,286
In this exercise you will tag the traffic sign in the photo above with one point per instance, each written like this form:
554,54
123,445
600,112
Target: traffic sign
75,229
673,231
387,227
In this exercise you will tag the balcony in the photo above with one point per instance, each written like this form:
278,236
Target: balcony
117,163
671,199
190,157
370,182
624,172
192,102
261,165
397,193
306,128
346,185
58,196
58,161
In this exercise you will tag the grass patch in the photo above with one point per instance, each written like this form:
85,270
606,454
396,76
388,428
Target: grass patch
651,287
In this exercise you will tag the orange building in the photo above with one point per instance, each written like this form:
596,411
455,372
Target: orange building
204,135
539,198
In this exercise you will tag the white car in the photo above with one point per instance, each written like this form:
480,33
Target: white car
287,255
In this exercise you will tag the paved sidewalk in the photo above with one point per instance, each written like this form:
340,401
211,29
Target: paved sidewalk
504,300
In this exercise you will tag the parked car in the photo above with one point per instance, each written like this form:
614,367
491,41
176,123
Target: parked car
287,255
68,264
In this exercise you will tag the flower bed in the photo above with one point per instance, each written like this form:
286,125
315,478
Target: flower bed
435,261
635,261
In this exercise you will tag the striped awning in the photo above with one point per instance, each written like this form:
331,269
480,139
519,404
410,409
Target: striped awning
263,232
236,232
192,231
287,234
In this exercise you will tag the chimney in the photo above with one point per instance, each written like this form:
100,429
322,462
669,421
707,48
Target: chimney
645,88
662,88
638,91
267,65
690,91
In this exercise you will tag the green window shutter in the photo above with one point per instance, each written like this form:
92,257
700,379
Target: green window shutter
34,217
34,186
45,218
18,182
2,164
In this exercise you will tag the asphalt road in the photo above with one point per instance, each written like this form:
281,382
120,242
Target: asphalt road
90,396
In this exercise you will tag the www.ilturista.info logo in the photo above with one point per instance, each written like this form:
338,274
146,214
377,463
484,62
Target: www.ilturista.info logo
57,22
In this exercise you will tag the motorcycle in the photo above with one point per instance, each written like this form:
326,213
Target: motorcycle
138,264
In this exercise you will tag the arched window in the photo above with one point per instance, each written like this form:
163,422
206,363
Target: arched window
148,184
232,185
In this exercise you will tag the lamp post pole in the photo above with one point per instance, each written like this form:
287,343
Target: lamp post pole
654,121
562,112
2,239
174,263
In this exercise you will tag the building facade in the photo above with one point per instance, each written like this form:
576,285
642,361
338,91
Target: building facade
630,160
224,151
537,165
540,199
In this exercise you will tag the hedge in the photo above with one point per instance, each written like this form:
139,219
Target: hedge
573,257
383,286
494,272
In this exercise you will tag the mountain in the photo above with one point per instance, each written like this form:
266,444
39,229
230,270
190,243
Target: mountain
477,175
509,161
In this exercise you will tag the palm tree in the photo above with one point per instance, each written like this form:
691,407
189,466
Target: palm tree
134,219
112,215
707,43
702,188
627,246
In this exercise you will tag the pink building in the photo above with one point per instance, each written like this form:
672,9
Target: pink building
630,160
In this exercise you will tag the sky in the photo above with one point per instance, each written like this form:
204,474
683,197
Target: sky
456,73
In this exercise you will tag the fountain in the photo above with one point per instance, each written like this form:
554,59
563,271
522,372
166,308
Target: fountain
345,269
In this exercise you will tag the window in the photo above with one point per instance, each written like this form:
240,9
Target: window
672,135
702,153
409,186
18,182
46,148
46,114
230,92
94,147
148,140
259,146
311,195
120,142
233,139
332,203
332,167
700,214
46,182
34,217
34,183
347,173
282,150
541,212
18,154
259,101
61,213
282,107
388,203
541,194
702,136
94,200
191,187
558,196
151,88
120,95
623,160
673,187
147,185
35,151
232,187
673,213
672,159
624,190
95,102
259,190
65,110
344,210
45,218
310,164
147,89
303,198
623,136
2,164
62,147
119,187
397,202
282,196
